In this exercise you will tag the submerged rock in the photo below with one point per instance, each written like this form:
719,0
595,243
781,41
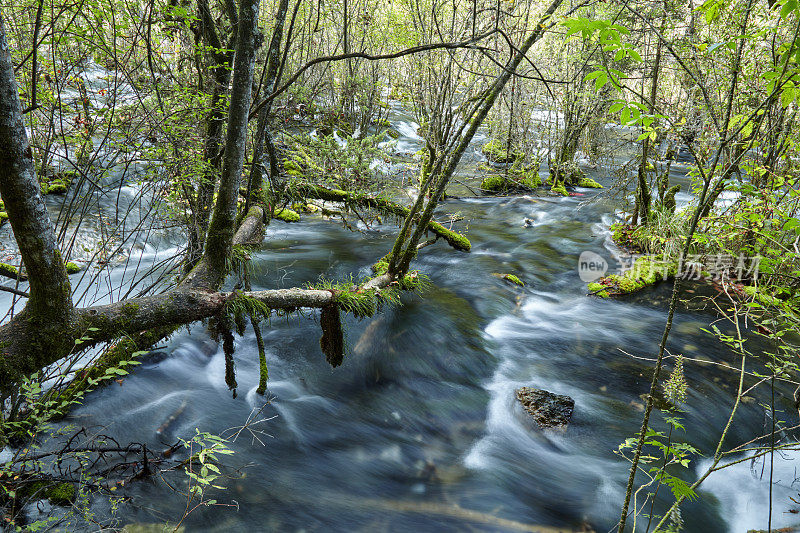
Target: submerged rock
547,409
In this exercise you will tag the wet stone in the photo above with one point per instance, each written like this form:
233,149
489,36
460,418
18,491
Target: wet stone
548,410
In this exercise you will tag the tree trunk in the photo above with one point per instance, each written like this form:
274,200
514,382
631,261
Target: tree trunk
221,229
444,169
212,145
263,135
49,307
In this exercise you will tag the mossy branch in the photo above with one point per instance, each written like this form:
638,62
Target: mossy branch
382,205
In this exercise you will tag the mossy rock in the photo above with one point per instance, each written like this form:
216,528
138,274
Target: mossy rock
3,217
514,180
494,183
589,183
305,207
511,278
72,268
559,188
56,187
568,174
287,215
646,271
62,494
57,183
628,237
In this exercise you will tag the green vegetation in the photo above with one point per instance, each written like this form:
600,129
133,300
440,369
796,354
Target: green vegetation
186,118
590,184
516,178
497,151
286,215
511,278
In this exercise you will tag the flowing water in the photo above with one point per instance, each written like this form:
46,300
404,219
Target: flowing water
419,430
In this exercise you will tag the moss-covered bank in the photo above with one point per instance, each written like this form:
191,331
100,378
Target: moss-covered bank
645,271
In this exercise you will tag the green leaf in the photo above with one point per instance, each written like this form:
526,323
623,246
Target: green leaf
788,7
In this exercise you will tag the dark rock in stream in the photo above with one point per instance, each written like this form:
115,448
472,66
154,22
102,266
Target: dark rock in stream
547,409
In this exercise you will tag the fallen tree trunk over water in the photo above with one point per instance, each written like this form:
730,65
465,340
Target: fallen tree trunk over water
383,205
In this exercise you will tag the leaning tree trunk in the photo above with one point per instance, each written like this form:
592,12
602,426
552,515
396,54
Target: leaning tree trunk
443,170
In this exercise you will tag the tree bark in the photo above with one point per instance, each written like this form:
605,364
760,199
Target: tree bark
221,229
212,145
263,135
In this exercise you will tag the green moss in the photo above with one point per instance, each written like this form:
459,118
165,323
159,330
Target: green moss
559,188
515,178
566,173
456,240
130,309
56,187
8,270
293,168
3,217
589,183
381,266
243,305
72,268
57,493
646,271
494,183
597,290
287,215
57,183
263,371
62,494
761,297
511,278
531,179
495,151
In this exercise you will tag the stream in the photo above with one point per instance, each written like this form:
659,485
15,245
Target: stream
419,429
